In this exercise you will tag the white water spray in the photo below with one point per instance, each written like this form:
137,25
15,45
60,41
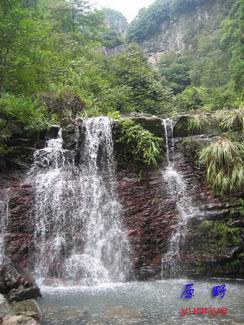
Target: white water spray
4,216
177,188
79,236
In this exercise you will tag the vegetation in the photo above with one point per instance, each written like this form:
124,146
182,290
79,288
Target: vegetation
149,21
140,147
117,26
224,162
222,235
232,121
54,49
198,123
208,74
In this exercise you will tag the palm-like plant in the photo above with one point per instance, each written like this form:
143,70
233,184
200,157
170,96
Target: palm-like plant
233,120
198,123
224,161
142,147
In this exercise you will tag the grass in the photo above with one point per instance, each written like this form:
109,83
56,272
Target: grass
224,162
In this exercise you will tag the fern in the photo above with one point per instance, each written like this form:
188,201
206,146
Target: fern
141,146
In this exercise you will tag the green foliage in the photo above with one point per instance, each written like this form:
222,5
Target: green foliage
232,120
131,72
175,68
21,109
28,116
149,21
222,234
111,39
142,148
198,123
224,161
191,98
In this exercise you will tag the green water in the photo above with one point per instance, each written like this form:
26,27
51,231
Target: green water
144,303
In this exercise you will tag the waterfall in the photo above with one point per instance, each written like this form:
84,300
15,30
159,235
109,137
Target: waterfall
4,214
78,232
177,188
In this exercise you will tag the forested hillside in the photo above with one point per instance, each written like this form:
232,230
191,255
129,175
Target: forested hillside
198,46
52,65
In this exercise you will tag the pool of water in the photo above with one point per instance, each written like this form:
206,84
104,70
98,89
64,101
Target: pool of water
141,303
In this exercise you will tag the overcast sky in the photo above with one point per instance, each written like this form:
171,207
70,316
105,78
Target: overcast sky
128,7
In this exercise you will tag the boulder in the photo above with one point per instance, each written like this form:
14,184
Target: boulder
28,308
71,135
53,131
63,104
19,320
4,307
17,283
150,123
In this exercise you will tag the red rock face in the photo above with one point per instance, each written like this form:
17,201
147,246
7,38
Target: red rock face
19,237
149,214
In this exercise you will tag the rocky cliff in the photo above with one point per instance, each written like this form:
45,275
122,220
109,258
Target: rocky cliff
176,25
150,215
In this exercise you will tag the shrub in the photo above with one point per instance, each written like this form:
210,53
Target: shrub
198,123
141,147
24,110
232,120
224,161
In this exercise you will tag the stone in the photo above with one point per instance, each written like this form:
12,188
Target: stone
126,314
150,123
60,104
181,126
19,320
70,138
4,307
17,283
28,308
53,131
23,293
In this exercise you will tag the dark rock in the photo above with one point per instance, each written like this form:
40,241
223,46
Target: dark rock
150,123
61,104
71,135
53,131
181,126
17,283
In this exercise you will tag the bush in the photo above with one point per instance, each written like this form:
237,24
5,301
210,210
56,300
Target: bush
24,110
191,98
141,147
198,123
232,120
224,161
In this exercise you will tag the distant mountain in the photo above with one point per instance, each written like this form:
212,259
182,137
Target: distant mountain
176,25
115,20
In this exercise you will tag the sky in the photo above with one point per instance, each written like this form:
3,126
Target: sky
129,8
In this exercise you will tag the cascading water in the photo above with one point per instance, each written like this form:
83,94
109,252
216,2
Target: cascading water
4,213
177,188
79,236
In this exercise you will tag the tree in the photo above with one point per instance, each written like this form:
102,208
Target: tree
175,68
148,94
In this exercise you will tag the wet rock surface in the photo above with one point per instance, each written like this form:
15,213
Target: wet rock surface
150,215
28,308
17,284
19,320
4,307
